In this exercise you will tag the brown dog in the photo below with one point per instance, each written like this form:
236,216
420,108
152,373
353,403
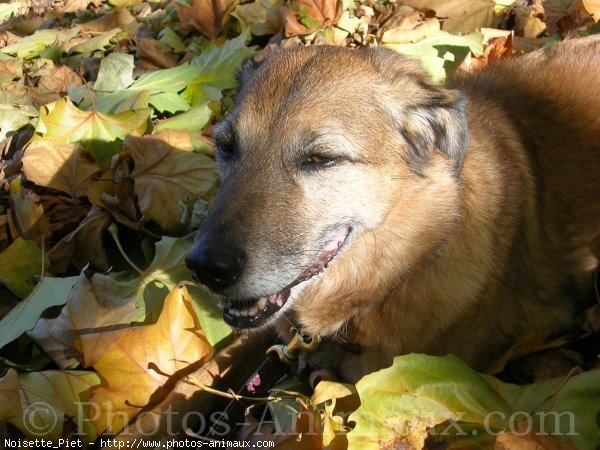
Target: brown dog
363,202
453,219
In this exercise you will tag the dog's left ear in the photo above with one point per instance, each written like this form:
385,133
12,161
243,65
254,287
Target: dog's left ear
430,116
437,124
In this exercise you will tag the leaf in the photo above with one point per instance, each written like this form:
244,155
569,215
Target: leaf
20,263
168,102
27,213
116,72
30,46
65,167
10,401
593,7
48,397
303,17
79,335
218,66
59,80
100,42
262,16
49,292
164,171
560,406
8,9
417,392
98,133
206,16
84,245
460,16
210,317
441,50
194,119
12,118
141,360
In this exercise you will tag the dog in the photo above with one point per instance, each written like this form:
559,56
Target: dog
363,202
366,204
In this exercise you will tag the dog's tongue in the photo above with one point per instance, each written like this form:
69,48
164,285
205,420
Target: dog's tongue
253,313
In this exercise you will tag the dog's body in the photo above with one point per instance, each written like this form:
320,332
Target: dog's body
466,213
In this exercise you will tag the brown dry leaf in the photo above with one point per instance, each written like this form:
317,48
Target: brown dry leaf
592,7
498,44
71,6
122,19
307,16
166,169
26,213
405,35
66,167
59,81
141,360
153,55
460,15
262,16
206,16
83,246
527,439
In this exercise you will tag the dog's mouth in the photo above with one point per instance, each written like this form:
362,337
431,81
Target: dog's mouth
250,313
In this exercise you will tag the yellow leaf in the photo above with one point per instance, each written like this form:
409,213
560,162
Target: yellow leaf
10,403
19,264
26,213
460,15
46,398
141,360
593,7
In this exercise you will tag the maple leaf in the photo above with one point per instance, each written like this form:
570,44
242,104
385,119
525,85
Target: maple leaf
48,398
98,133
26,212
62,167
163,170
19,264
262,16
206,16
303,17
141,360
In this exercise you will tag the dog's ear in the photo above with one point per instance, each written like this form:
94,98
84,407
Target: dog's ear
437,124
430,116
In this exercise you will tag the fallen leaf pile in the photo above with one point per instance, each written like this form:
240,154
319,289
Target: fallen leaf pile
106,112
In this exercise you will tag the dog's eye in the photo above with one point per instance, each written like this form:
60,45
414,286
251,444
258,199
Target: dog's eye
315,160
225,150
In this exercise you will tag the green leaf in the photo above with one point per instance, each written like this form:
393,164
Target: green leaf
8,9
49,292
31,46
418,392
100,134
116,72
210,317
559,406
117,102
441,52
171,39
218,66
100,42
173,80
168,102
13,117
19,264
194,119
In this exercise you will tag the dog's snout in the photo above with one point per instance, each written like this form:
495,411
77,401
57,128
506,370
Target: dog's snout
217,264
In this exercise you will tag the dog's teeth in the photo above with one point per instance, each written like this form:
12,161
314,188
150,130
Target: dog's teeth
235,312
243,313
261,303
252,311
221,304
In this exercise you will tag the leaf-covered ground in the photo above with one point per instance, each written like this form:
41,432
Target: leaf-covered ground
106,112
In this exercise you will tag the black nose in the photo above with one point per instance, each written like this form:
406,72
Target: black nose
216,263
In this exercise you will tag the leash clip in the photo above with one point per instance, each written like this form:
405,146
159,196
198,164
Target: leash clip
288,354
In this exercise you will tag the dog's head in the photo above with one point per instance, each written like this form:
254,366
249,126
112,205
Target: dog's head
335,164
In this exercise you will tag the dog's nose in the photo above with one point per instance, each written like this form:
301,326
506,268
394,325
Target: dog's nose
217,265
